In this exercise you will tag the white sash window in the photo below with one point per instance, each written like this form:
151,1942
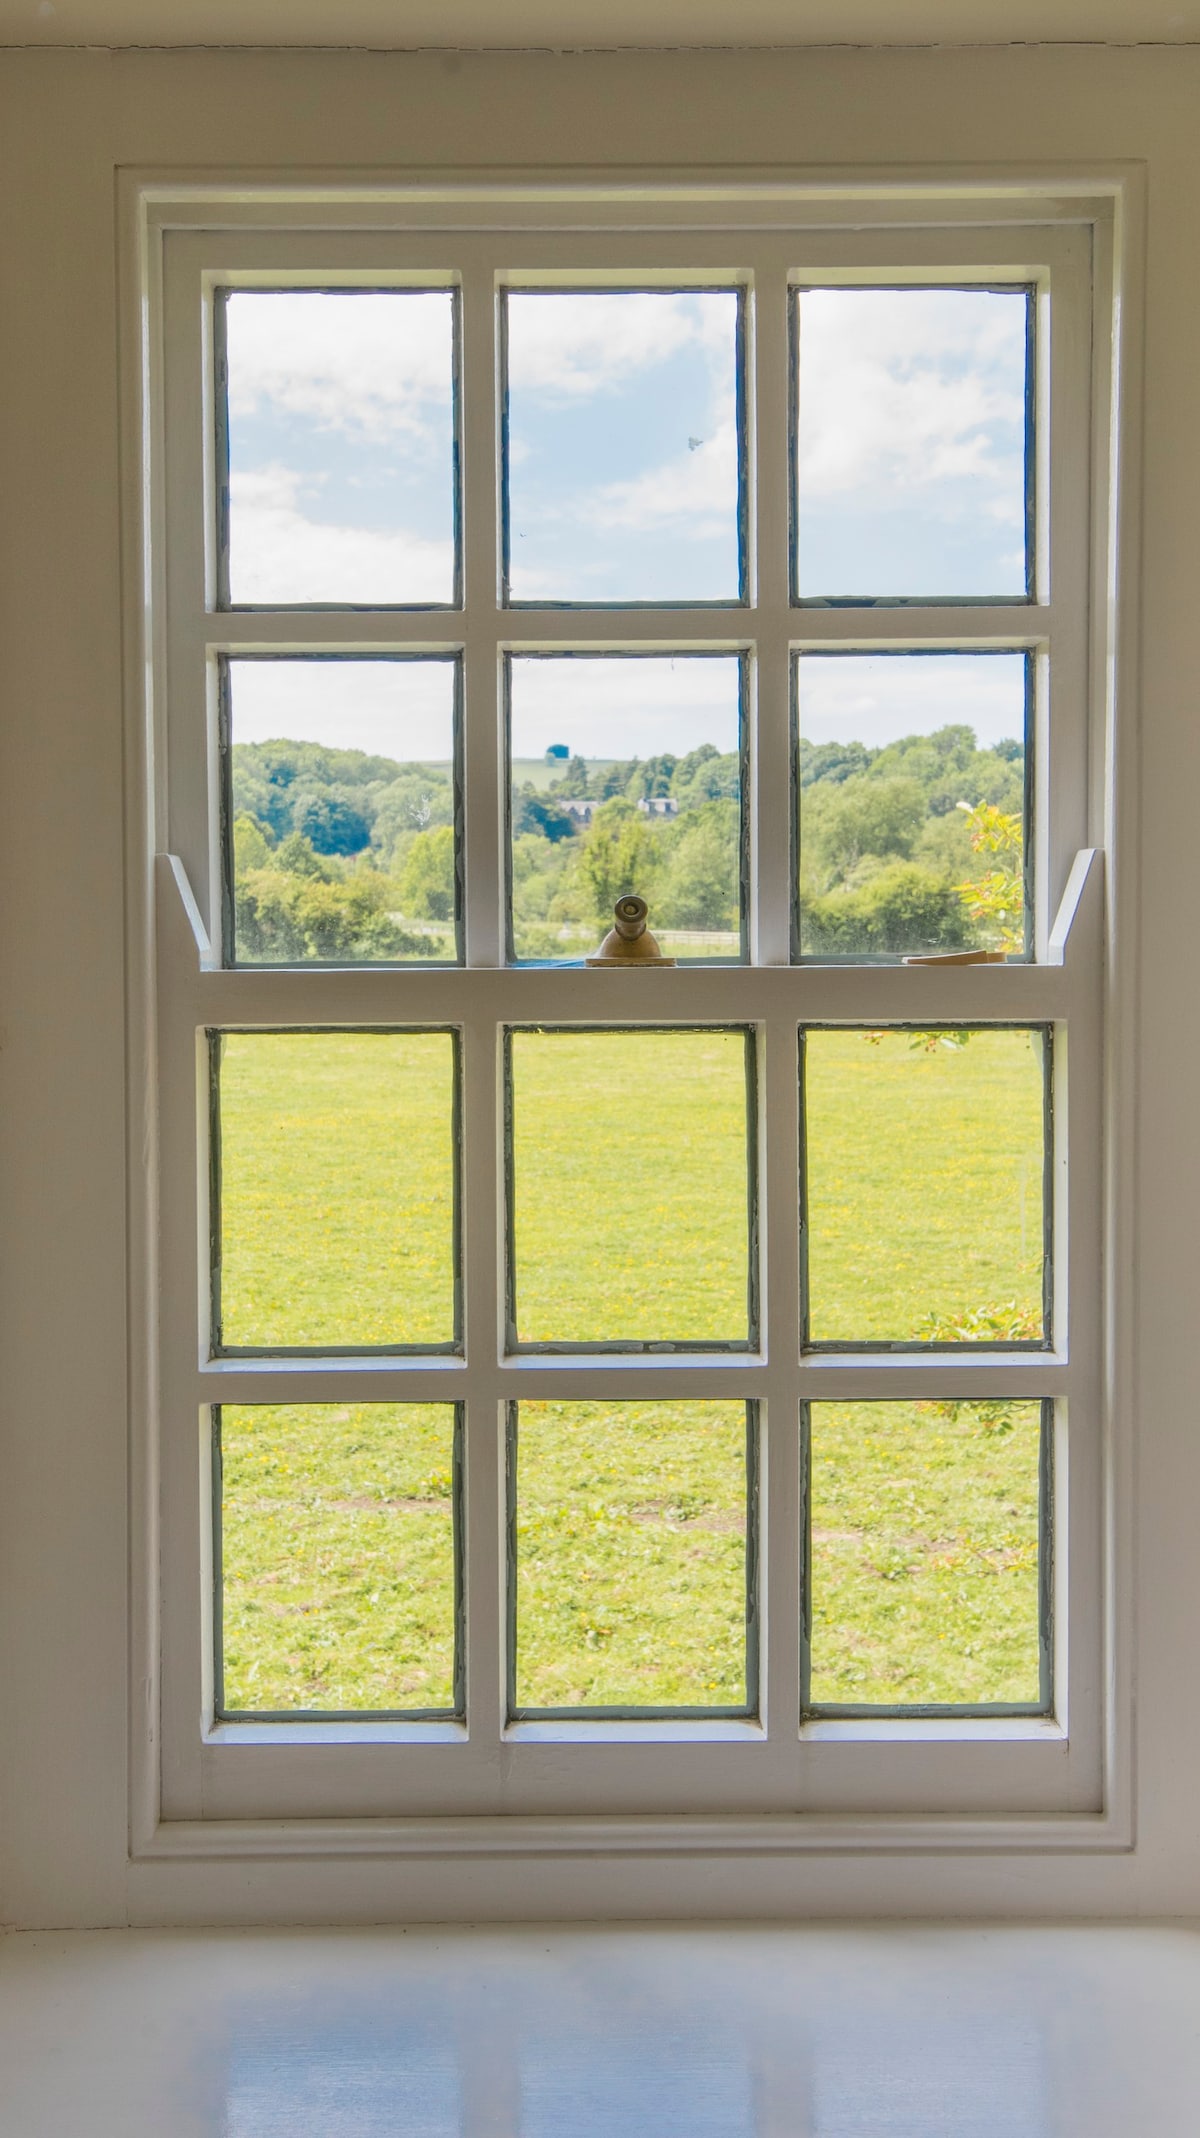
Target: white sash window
601,1395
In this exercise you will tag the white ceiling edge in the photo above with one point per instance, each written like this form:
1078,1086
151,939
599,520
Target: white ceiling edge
591,25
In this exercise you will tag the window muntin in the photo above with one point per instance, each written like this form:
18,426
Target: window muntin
649,793
341,810
337,427
781,1757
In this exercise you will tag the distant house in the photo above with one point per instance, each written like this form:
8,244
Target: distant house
659,805
582,812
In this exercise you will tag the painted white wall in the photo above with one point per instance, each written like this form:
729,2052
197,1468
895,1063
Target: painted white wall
68,120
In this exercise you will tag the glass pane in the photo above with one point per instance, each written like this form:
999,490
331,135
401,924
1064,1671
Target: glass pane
622,461
626,776
912,803
340,423
630,1200
631,1555
339,1587
925,1541
337,1223
341,839
925,1161
911,442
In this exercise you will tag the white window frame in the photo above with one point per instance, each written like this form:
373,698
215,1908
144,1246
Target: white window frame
205,1787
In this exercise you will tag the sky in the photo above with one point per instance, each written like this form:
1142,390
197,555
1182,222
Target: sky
390,708
875,697
623,486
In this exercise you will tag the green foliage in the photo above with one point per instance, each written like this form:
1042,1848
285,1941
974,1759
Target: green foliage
251,848
902,908
534,812
863,812
340,800
865,815
421,799
699,888
332,825
427,884
1013,1321
834,761
619,855
996,898
288,915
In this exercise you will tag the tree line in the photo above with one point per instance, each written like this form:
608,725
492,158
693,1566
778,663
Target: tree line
340,854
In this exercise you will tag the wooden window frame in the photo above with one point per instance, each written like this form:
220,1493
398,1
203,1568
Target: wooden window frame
878,1780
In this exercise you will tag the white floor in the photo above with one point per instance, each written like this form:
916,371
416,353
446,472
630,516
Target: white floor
880,2032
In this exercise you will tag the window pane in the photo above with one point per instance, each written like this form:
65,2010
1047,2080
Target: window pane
340,424
623,450
925,1165
925,1575
630,1189
912,803
632,1529
340,833
338,1555
911,442
337,1190
626,776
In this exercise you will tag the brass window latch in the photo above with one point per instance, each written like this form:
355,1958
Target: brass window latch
629,941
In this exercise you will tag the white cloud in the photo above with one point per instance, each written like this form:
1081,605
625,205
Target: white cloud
571,344
400,709
695,494
633,706
373,362
900,389
873,698
279,554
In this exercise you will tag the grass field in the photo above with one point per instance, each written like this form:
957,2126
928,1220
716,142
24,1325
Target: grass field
631,1519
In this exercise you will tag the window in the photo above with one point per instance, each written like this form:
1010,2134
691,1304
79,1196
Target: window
600,1391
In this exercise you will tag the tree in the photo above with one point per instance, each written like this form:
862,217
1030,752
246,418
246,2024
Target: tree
700,886
332,825
996,899
534,812
282,917
619,854
868,816
902,908
250,849
427,885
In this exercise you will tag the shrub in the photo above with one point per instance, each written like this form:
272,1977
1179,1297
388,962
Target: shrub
902,908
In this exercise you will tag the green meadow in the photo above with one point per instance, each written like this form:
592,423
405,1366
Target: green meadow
631,1223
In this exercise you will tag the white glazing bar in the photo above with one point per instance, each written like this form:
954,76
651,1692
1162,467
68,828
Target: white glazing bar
677,1376
483,1303
482,811
848,994
721,629
781,1479
771,816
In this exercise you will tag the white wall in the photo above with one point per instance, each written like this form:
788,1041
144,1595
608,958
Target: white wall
67,121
